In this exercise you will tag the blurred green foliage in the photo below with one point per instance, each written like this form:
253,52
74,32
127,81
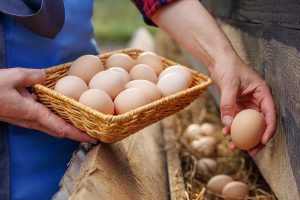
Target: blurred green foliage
115,21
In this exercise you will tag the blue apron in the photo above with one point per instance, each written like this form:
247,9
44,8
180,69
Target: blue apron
38,161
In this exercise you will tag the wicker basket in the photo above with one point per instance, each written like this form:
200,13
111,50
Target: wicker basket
112,128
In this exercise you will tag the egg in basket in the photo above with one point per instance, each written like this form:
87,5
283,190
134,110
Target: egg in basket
116,94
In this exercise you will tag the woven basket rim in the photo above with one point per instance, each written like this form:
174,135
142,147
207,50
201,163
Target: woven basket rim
115,118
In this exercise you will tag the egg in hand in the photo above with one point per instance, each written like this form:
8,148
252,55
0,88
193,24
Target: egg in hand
247,129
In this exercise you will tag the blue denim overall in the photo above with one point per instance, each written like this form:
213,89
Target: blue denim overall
31,162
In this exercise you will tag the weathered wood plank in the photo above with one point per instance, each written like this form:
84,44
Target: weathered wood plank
175,177
269,12
134,168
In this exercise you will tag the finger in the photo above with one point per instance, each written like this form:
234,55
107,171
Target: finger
34,97
252,152
225,131
50,132
27,77
269,111
247,104
19,122
232,146
55,125
25,93
228,103
31,125
27,124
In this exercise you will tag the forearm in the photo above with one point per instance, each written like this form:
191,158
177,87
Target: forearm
188,22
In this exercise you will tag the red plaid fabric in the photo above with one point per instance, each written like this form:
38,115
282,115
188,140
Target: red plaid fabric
149,7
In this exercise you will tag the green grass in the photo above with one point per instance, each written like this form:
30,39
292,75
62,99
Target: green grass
115,21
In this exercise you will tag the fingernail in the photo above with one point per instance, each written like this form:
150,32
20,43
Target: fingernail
226,120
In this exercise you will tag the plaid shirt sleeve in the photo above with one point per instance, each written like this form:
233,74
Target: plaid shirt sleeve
149,7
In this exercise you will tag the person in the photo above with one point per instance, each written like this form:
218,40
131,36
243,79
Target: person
33,162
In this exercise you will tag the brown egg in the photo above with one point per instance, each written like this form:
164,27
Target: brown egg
247,129
193,132
143,72
172,83
151,59
178,69
235,190
125,76
205,145
208,129
85,67
120,60
206,166
71,86
147,86
108,81
217,183
130,99
98,100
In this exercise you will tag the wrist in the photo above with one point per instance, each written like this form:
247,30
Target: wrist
225,58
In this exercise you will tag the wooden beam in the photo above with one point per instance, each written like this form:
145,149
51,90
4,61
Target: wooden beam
175,177
134,168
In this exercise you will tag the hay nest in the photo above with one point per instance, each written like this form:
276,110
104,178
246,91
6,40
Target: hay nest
237,164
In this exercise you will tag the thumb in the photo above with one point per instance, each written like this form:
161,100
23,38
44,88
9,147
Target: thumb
28,77
228,103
